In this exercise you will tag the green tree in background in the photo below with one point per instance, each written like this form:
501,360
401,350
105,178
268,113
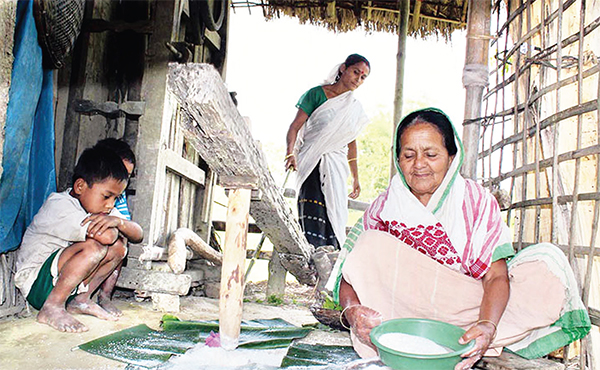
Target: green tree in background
374,144
374,148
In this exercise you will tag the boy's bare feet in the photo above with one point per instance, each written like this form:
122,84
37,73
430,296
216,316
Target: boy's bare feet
109,306
89,307
58,318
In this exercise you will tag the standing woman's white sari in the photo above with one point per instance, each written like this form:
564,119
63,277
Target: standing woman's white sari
324,140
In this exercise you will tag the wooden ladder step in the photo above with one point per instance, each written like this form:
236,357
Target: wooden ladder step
509,361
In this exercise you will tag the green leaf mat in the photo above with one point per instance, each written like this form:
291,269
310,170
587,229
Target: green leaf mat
302,354
145,347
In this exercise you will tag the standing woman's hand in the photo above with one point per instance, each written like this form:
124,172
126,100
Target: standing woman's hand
290,162
290,139
355,189
353,164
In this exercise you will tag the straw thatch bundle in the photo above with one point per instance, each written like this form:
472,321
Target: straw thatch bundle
427,18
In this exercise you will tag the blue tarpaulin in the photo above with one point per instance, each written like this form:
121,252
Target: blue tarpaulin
29,174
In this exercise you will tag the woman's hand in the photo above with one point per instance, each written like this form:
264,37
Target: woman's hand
290,139
290,162
362,319
355,189
483,334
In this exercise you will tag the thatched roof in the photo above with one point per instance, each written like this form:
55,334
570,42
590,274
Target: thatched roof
427,17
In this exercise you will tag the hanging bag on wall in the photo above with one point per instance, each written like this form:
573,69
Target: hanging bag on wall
58,23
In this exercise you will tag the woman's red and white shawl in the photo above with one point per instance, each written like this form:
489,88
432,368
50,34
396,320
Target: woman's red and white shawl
459,228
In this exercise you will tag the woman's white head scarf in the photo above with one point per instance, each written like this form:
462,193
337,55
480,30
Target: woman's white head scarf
464,216
333,75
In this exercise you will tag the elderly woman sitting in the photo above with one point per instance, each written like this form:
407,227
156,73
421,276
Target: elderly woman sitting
434,245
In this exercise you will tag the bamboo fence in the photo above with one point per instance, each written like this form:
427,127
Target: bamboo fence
540,133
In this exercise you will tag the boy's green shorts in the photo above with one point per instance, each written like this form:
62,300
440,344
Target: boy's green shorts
43,285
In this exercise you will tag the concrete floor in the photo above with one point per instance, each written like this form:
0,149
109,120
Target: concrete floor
28,345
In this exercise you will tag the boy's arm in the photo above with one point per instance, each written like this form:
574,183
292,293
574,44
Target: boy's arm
131,230
103,223
107,237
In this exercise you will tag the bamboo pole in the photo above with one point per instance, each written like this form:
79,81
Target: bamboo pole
475,79
232,273
404,10
416,15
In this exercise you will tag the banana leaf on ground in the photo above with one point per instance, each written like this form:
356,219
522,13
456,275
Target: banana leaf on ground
302,354
145,347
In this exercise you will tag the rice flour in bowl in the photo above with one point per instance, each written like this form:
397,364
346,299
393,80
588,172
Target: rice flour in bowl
414,344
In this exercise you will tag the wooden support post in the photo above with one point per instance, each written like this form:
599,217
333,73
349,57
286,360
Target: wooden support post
232,273
277,273
475,79
404,10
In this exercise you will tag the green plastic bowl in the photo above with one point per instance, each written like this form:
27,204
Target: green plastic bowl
442,333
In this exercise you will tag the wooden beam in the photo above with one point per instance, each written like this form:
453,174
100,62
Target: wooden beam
110,109
357,205
220,226
213,38
434,18
276,281
262,255
182,167
594,316
203,205
234,181
232,272
509,361
217,131
102,25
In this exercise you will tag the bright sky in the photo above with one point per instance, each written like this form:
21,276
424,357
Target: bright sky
272,63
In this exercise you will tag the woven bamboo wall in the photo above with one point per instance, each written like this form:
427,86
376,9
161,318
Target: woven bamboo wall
540,136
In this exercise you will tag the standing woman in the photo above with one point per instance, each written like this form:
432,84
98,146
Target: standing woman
321,146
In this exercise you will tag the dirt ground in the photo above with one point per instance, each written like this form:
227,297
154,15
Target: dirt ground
26,344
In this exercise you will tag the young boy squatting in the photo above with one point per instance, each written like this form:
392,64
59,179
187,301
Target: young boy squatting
74,244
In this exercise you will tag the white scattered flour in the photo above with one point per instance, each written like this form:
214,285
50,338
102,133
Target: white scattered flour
216,358
202,357
408,343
